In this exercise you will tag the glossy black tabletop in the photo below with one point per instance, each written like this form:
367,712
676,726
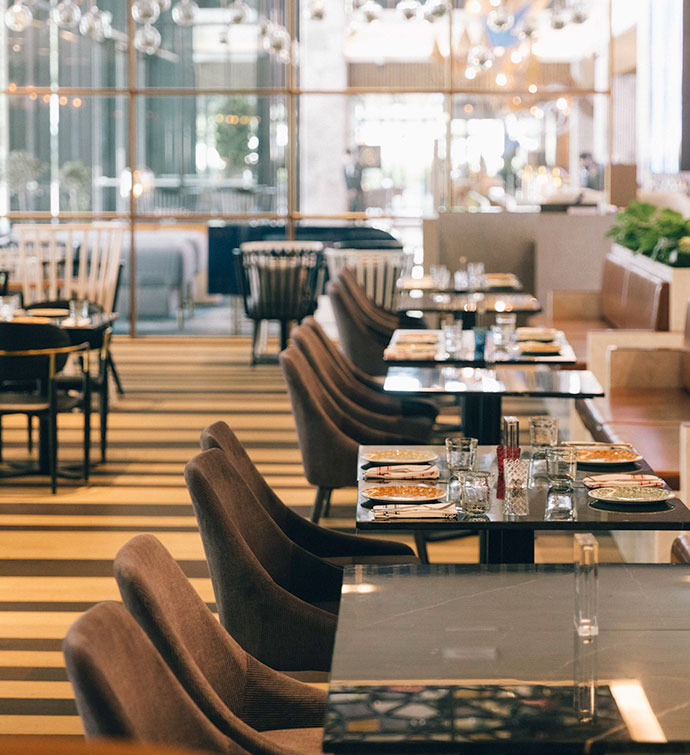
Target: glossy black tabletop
431,301
458,658
492,283
529,512
470,355
503,381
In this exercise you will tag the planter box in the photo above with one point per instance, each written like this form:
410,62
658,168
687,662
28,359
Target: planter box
678,279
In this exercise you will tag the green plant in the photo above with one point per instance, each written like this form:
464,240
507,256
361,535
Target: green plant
22,173
75,183
657,233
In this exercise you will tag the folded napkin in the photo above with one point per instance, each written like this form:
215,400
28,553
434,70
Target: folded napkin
403,472
440,510
81,322
636,480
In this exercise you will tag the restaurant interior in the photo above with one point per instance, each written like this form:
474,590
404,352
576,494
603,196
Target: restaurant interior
344,376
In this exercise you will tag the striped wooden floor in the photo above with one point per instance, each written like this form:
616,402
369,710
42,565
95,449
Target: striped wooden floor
56,551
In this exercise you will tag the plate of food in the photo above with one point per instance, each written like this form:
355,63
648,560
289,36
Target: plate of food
500,280
418,336
404,493
632,494
47,312
401,456
603,453
539,349
536,334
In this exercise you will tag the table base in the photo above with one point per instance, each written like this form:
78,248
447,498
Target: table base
506,547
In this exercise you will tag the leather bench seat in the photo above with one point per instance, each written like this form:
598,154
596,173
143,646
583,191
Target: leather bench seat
629,299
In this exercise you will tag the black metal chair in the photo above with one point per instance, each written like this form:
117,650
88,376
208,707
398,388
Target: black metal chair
280,280
31,356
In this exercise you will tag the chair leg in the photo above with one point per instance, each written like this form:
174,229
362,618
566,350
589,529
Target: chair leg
0,437
327,504
284,333
52,452
103,412
116,377
420,543
255,340
30,432
322,494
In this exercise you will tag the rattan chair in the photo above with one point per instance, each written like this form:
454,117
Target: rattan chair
267,588
241,696
337,547
279,280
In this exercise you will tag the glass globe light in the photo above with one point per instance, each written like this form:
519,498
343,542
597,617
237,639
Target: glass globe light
559,20
435,9
164,5
371,11
147,39
146,11
91,24
239,11
408,9
317,10
66,14
528,32
18,17
500,21
279,41
480,57
184,11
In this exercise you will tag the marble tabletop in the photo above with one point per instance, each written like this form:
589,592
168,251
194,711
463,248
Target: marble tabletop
459,658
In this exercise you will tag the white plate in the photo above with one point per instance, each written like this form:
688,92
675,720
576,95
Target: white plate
400,493
631,494
399,455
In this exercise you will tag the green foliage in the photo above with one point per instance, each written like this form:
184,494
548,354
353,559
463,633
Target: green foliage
22,172
235,124
75,184
657,233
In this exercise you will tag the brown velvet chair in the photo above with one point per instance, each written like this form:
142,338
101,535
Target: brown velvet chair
680,550
337,547
276,599
312,344
417,428
241,696
363,339
124,689
329,438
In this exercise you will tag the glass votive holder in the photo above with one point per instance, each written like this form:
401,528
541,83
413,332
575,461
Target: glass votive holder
452,336
476,492
516,473
475,275
515,504
8,306
561,465
78,309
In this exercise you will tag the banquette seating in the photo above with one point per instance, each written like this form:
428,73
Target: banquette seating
647,403
629,299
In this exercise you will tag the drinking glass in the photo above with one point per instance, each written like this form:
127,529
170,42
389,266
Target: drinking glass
543,433
440,275
560,506
476,492
475,275
452,336
8,306
461,454
561,463
78,309
503,330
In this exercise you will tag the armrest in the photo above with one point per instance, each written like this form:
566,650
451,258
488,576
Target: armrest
575,305
645,368
599,341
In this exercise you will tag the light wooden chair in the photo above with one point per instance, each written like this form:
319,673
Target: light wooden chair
68,261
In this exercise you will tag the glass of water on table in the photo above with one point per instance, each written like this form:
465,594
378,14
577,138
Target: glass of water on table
461,457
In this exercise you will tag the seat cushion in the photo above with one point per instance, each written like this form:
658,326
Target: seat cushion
575,331
303,741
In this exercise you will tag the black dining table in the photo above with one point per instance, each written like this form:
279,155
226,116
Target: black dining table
472,353
458,658
507,530
480,390
468,306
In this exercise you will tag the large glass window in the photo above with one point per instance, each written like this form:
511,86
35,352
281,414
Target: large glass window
280,114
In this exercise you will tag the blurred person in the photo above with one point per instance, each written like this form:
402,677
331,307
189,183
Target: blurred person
592,173
353,170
